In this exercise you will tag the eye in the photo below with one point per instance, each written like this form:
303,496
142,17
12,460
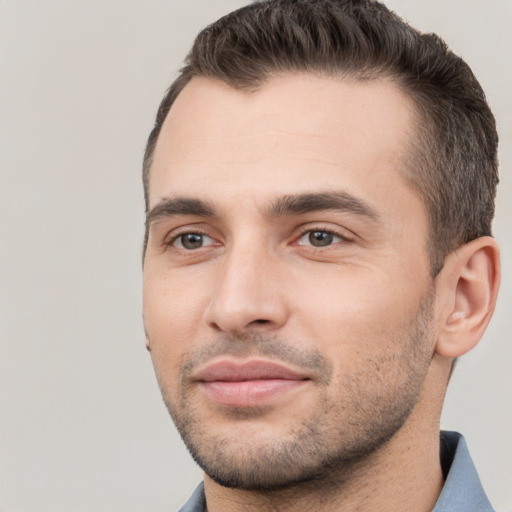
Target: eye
319,238
191,241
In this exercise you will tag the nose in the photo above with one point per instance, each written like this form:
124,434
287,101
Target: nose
248,296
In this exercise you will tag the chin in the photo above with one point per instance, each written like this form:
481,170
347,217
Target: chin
312,452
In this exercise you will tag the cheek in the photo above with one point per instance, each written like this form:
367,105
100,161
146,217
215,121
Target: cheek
172,316
171,301
356,296
358,315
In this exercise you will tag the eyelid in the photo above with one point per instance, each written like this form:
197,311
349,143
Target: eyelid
175,229
174,235
343,234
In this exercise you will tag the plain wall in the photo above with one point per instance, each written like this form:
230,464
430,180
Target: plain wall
82,425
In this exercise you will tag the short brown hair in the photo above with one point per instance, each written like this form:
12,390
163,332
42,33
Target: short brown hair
453,158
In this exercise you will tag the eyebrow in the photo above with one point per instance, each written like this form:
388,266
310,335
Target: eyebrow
322,201
179,206
294,204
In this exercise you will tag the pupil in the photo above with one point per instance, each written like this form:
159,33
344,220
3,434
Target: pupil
320,238
192,240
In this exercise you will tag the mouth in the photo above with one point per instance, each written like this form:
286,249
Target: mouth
249,383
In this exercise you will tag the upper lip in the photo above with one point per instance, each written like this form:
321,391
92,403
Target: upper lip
238,371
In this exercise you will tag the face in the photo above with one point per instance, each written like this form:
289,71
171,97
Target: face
287,297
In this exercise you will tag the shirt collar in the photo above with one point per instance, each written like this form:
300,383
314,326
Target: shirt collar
462,491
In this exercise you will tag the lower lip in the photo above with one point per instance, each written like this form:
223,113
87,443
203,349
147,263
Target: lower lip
249,393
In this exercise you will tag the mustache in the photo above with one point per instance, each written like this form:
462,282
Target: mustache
257,344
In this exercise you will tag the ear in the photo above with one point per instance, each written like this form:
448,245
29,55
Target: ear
467,288
146,335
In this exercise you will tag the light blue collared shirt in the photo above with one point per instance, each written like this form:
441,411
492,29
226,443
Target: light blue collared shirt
462,491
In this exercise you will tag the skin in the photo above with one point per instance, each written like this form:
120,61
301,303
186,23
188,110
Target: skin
359,316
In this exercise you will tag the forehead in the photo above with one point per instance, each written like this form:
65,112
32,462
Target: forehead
296,132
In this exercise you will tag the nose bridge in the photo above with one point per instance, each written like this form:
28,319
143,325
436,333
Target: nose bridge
246,295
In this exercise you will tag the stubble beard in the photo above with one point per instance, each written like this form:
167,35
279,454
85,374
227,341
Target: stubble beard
334,438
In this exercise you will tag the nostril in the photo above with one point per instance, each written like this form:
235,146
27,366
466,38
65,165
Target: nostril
260,321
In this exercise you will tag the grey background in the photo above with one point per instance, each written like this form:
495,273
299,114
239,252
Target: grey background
82,426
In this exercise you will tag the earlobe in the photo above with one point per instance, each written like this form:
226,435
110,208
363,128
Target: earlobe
468,287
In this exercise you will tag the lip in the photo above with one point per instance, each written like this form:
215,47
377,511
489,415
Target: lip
249,383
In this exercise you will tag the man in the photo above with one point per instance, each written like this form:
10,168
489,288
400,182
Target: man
319,188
